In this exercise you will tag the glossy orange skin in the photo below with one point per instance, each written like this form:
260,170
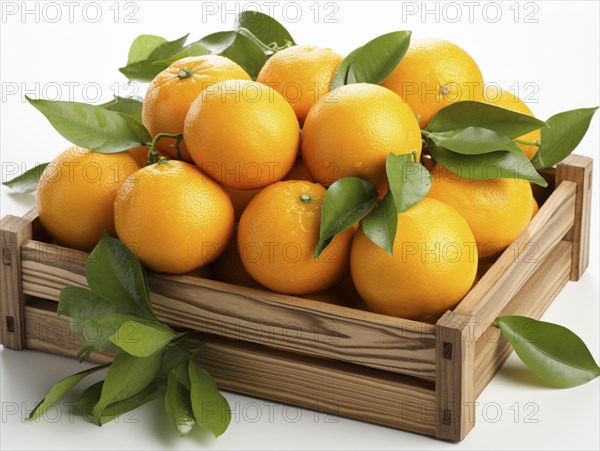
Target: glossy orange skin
76,192
433,265
173,217
302,74
243,134
351,131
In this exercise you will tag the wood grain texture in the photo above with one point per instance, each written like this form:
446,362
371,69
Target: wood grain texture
279,321
503,280
492,349
455,399
578,169
320,384
13,232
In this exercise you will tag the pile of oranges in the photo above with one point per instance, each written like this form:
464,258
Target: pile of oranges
242,193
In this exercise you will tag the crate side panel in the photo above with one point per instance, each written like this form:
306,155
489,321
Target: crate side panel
285,322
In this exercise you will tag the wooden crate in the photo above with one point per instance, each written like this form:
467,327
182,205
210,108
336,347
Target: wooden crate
405,374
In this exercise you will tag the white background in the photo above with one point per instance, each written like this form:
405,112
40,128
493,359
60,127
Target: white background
77,59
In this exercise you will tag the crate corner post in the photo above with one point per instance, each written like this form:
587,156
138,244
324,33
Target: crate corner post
454,388
578,169
13,232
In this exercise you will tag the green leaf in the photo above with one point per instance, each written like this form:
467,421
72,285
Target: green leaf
81,304
409,181
189,50
131,106
114,273
142,339
93,127
143,71
265,28
143,46
127,376
472,141
28,181
96,333
167,49
551,351
150,393
465,114
341,74
380,226
183,375
562,135
493,165
178,405
61,389
238,48
148,68
211,409
347,201
84,406
378,58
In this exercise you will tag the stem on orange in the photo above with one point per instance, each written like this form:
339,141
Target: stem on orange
153,154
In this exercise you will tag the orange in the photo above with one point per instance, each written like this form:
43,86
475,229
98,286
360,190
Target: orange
242,133
433,265
76,193
302,74
278,233
344,293
433,74
171,93
173,217
351,131
506,99
497,210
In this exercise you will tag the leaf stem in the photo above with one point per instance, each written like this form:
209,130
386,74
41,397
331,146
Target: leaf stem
537,142
153,154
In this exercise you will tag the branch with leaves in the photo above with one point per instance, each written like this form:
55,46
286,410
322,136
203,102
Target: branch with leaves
115,315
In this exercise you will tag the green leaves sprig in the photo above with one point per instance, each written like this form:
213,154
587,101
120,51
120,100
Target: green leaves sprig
350,199
256,37
149,357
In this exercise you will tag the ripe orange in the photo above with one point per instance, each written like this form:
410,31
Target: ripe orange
497,210
242,133
240,198
433,74
344,293
351,131
76,193
277,236
433,265
302,74
173,217
299,172
506,99
171,93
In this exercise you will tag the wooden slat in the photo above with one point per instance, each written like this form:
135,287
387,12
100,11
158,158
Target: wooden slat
501,282
492,349
13,232
454,378
279,321
578,169
328,386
